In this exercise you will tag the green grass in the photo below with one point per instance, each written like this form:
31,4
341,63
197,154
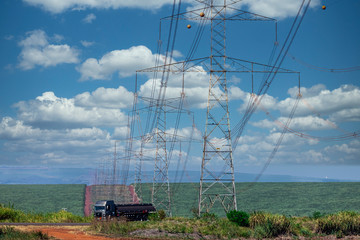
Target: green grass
290,199
44,198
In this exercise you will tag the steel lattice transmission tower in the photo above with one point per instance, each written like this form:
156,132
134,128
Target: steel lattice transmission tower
217,186
160,194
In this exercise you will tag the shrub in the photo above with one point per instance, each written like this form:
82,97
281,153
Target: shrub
269,225
10,214
239,217
347,223
157,216
317,215
162,214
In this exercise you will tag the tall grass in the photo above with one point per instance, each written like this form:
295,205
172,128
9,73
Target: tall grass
268,225
342,223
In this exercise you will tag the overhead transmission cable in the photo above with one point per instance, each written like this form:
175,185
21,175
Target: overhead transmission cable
271,76
277,145
323,69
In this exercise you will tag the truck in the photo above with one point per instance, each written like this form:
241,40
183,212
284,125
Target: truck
107,209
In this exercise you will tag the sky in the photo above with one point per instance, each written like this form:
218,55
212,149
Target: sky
68,71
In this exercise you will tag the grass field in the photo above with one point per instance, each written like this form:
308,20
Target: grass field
295,199
44,198
291,199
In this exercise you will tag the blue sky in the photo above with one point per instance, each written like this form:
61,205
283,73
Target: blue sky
67,73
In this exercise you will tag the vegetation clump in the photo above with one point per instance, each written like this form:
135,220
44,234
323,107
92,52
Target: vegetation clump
241,218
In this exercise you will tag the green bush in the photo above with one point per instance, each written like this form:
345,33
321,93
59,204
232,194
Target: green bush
317,215
347,223
157,216
10,214
241,218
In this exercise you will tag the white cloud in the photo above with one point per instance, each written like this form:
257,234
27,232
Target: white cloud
269,8
276,8
308,123
106,98
87,43
124,62
340,104
318,109
121,132
255,150
196,87
89,18
49,111
63,146
55,6
15,129
186,133
36,50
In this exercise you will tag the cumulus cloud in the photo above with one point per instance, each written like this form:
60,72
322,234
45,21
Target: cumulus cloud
318,109
255,150
340,104
37,51
124,62
105,98
196,87
308,123
89,18
186,133
276,8
69,146
50,111
56,130
12,129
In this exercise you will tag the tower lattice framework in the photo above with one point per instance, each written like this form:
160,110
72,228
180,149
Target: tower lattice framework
217,186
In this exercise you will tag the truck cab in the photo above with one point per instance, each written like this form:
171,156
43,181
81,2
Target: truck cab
104,209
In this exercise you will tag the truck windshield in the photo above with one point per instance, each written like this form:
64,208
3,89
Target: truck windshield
99,208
